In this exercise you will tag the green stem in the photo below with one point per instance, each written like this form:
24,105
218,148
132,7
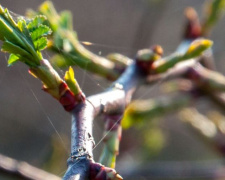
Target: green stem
85,59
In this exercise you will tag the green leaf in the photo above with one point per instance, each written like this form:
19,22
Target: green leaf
13,59
40,43
5,29
9,29
25,56
41,31
12,48
9,17
17,39
38,20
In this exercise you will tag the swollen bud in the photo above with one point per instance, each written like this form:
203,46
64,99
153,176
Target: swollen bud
146,57
197,47
195,50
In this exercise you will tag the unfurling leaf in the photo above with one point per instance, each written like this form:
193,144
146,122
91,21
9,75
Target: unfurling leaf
197,48
71,81
23,28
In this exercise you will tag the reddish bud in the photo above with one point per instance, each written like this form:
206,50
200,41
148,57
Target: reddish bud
146,57
100,172
193,28
68,99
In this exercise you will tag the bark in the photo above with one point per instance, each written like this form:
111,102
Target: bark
114,100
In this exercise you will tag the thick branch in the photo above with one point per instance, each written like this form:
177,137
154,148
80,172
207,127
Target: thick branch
113,100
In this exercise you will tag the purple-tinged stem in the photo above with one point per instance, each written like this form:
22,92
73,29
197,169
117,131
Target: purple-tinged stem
113,100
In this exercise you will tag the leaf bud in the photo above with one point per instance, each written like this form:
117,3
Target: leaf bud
146,57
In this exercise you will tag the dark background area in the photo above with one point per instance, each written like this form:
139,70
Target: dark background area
29,117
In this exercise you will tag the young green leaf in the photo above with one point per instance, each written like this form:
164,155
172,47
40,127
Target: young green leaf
12,59
41,43
40,31
32,25
17,39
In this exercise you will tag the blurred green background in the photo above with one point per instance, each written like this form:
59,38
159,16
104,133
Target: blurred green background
31,120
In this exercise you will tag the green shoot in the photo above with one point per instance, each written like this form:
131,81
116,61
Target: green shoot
23,39
195,50
213,12
65,42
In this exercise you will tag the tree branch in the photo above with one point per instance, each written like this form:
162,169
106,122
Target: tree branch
113,100
16,168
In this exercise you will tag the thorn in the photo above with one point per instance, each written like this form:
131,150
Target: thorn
86,43
119,177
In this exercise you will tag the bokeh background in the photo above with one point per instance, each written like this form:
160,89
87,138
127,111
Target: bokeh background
35,128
